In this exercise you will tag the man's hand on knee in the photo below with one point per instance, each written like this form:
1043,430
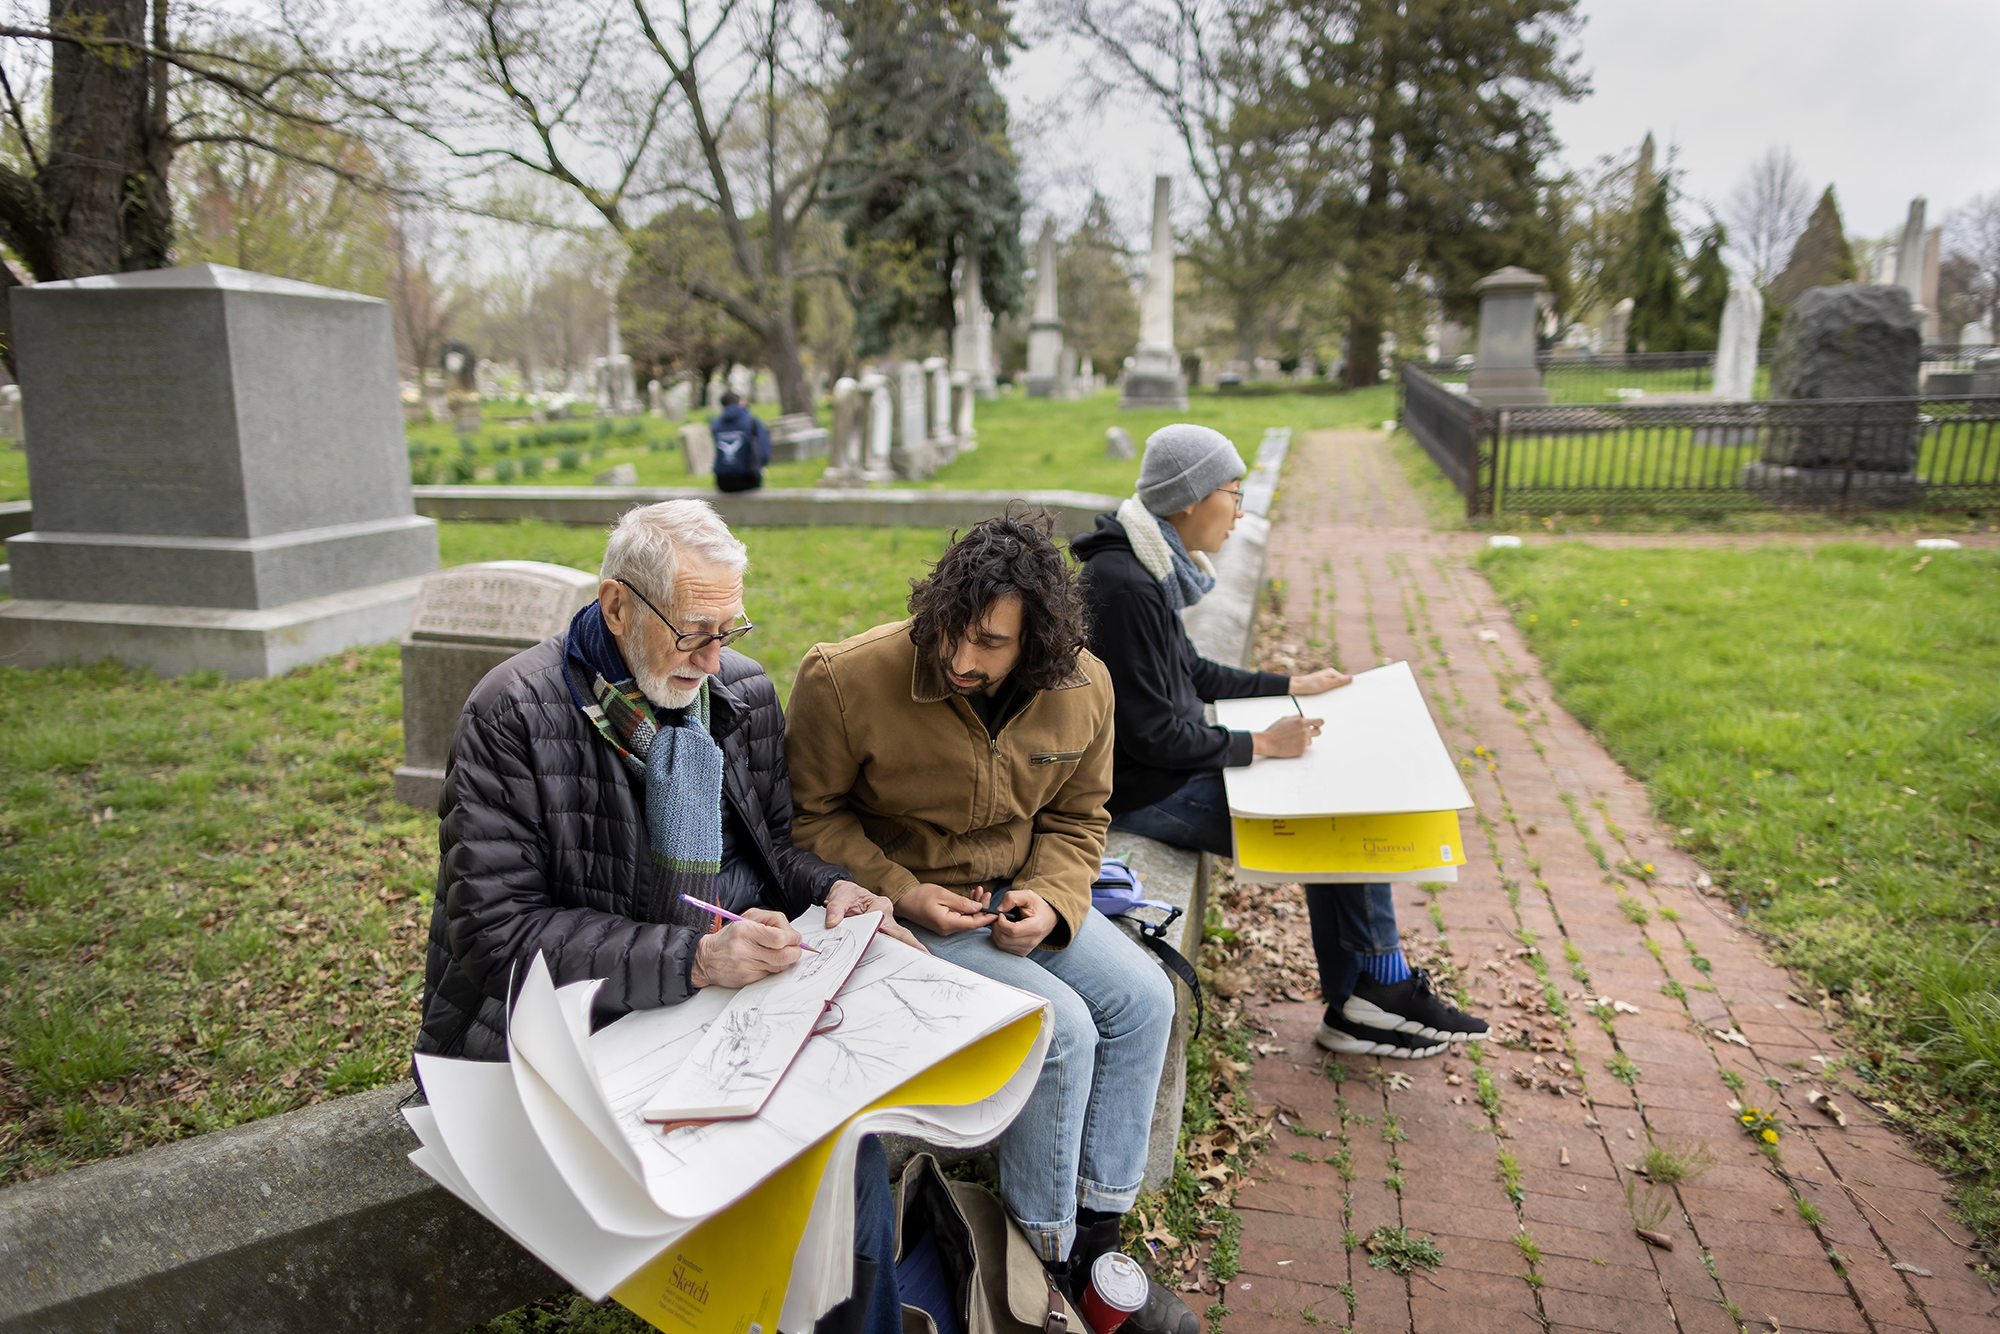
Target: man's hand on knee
942,910
1037,919
847,899
761,944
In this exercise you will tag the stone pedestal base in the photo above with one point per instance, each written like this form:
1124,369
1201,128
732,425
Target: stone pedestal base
234,572
916,464
854,478
1154,391
1817,488
1509,388
173,641
797,437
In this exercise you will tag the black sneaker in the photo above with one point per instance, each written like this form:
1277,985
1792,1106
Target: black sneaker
1341,1035
1410,1006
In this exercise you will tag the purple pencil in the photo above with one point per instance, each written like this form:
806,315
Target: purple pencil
706,906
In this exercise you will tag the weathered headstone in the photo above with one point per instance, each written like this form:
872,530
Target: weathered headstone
1736,347
914,458
1509,308
1155,379
623,474
972,335
881,392
466,622
937,404
963,390
1118,444
1617,328
796,436
656,402
847,442
697,448
678,398
10,415
219,472
1045,327
1852,342
1910,253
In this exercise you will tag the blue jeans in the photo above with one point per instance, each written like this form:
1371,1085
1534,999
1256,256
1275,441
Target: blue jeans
875,1306
1348,921
1082,1136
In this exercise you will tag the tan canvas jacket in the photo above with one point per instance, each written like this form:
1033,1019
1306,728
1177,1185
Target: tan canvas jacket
894,777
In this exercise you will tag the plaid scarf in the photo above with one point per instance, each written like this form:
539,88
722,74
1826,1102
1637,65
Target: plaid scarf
680,762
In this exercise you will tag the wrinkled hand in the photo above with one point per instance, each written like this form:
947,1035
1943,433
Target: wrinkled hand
1319,682
944,911
740,953
1037,920
1286,738
847,899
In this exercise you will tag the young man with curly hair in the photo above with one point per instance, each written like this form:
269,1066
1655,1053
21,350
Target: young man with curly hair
958,762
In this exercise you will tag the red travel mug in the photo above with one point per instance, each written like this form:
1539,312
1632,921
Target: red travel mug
1117,1288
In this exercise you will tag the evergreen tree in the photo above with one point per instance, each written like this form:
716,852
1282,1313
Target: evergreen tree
1708,279
1820,258
1656,281
1430,118
1099,313
924,171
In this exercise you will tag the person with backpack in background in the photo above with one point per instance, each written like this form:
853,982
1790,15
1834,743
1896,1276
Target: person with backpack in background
742,446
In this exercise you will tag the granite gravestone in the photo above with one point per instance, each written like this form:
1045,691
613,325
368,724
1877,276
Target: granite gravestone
1859,341
847,445
220,475
1506,375
937,404
1118,444
913,457
10,415
972,334
621,474
964,388
796,436
1155,379
466,622
697,448
1736,347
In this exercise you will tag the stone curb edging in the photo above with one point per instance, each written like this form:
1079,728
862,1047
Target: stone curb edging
600,506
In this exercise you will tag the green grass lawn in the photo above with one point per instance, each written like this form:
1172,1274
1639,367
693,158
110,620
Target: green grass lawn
211,907
1824,728
13,473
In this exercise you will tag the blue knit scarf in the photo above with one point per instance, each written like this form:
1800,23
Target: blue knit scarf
1156,544
680,761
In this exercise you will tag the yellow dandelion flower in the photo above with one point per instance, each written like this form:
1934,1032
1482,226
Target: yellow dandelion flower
1534,618
1573,622
1623,603
1649,868
1770,1137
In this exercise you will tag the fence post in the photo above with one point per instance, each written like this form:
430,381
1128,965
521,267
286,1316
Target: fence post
1485,443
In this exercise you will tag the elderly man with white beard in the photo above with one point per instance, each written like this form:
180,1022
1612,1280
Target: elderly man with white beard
601,780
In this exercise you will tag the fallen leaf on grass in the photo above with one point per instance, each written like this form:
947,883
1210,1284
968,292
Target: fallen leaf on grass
1817,1098
1395,1080
1731,1035
1909,1268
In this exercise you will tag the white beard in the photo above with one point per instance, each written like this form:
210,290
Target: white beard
655,686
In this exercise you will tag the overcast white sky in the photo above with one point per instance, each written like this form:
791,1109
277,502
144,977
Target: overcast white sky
1886,99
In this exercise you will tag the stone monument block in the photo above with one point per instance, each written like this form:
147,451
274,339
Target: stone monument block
1736,348
937,409
964,389
466,622
10,415
1118,444
912,456
220,474
796,436
623,474
1045,326
1856,341
697,448
1509,308
847,445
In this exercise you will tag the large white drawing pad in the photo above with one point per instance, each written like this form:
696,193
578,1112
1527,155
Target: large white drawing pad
744,1053
1379,753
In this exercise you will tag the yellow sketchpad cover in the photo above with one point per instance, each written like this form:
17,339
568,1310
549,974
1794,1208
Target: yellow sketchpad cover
729,1275
1334,844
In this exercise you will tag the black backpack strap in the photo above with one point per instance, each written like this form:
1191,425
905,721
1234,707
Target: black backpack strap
1154,935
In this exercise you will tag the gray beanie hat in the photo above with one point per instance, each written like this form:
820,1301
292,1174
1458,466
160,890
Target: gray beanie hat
1183,464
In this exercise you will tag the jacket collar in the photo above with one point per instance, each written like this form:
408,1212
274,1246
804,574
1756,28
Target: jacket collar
928,686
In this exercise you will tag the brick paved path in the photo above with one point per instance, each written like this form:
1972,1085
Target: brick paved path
1555,818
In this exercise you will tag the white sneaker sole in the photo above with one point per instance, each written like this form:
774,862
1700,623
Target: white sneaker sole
1359,1011
1345,1044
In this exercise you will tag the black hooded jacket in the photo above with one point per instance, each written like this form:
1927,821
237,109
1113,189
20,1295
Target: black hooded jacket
1161,682
542,846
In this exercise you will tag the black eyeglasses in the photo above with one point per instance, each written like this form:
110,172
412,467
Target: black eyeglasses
694,641
1238,493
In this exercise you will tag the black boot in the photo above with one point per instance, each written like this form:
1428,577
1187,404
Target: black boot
1163,1313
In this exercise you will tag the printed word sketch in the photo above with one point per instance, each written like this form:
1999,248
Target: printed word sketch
746,1050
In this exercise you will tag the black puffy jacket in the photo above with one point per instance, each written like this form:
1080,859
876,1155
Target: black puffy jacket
1160,681
542,846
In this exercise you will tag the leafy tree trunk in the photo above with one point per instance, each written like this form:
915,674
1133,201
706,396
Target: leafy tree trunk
1373,269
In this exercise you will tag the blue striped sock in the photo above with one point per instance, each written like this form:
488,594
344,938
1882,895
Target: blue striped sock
1388,969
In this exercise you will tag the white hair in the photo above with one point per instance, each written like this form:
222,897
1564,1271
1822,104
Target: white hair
648,543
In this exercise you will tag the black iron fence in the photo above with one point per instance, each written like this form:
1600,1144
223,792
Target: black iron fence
1937,453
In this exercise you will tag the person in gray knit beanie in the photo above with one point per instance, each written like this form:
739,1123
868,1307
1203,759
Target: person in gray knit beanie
1183,464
